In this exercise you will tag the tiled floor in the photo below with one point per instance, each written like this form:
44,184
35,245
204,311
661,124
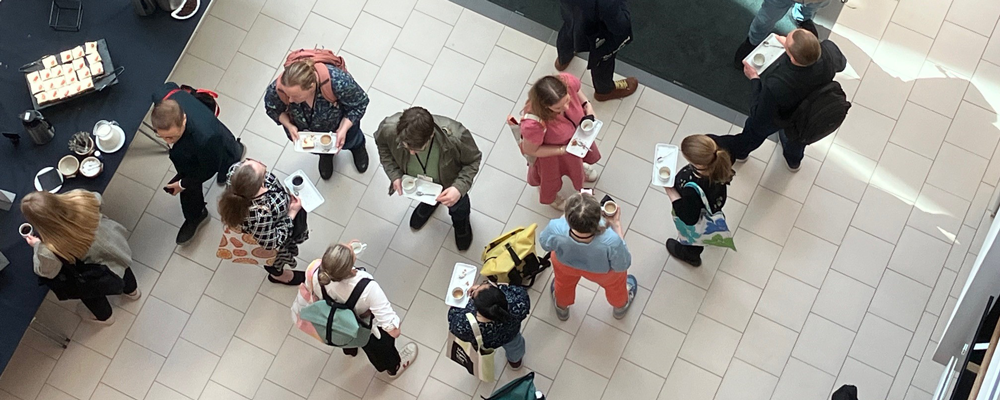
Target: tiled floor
844,273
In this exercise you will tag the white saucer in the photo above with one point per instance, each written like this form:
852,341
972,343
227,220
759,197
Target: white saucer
117,141
38,185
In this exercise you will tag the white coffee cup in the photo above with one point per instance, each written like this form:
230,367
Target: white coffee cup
587,125
69,166
758,59
610,208
297,182
665,173
457,293
26,229
358,247
326,141
409,183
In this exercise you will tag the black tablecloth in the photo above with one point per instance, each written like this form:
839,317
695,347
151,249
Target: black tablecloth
147,47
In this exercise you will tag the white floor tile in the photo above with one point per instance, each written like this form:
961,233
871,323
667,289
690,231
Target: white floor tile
321,32
980,16
843,300
654,346
865,132
919,256
268,40
674,302
595,343
744,381
147,241
157,326
687,381
395,12
869,18
880,344
806,257
632,382
371,38
921,15
823,344
710,345
655,219
766,345
292,13
400,278
803,381
245,79
973,130
181,283
938,89
297,366
660,104
576,382
770,215
521,44
160,392
871,382
78,371
882,214
235,284
105,339
505,73
900,300
401,76
827,215
745,181
485,113
188,369
26,373
901,51
920,130
882,91
474,35
643,131
619,177
216,42
374,231
730,301
423,320
550,345
216,391
786,301
242,368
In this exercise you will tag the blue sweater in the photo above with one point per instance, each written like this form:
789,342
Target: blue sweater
606,253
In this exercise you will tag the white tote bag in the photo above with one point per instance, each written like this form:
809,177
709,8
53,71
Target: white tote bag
515,129
479,362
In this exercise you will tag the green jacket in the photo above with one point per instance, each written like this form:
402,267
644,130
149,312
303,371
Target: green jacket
460,157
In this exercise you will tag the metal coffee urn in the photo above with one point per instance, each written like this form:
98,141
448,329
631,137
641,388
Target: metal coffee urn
40,130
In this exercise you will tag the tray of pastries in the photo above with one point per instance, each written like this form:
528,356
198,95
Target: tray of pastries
63,76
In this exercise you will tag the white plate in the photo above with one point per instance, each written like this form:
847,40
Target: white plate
584,139
310,196
119,135
38,185
430,191
667,156
315,150
771,48
465,282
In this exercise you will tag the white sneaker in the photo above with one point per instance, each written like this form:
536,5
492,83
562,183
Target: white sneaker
559,204
406,358
589,173
134,295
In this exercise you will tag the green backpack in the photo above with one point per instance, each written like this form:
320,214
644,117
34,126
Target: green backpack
338,323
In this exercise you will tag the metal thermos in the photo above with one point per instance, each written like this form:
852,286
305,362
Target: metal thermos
40,130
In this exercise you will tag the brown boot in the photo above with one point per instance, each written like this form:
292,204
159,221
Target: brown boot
623,88
560,66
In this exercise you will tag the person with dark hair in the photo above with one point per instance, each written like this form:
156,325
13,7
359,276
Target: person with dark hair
434,148
307,109
255,203
499,310
772,11
711,168
556,106
600,28
581,246
806,66
200,146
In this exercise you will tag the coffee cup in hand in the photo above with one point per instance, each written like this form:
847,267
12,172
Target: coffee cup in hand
457,293
587,125
610,208
25,229
326,141
297,182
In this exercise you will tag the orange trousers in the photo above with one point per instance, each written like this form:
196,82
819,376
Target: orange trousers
566,279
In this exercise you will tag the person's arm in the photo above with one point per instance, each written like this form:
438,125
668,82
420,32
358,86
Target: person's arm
271,228
385,317
763,105
838,58
470,158
688,206
47,265
588,109
545,238
619,257
207,159
352,98
518,303
273,106
385,145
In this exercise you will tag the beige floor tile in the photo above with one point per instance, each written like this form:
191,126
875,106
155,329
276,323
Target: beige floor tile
505,73
865,132
803,381
973,130
620,177
26,372
985,82
687,381
242,368
216,391
602,310
434,389
441,9
882,214
871,382
770,215
344,12
843,300
746,382
484,113
146,277
806,257
237,12
754,259
920,130
981,20
105,339
401,76
650,257
216,42
880,344
747,177
823,344
710,345
422,246
212,325
265,325
786,301
794,185
902,383
495,193
160,392
374,231
268,40
474,35
439,104
78,371
921,16
342,196
957,171
711,259
269,390
654,217
921,336
863,257
423,320
643,131
320,32
147,241
901,172
371,38
900,300
187,369
353,374
423,37
453,75
246,79
201,249
632,382
381,390
235,284
193,71
549,344
345,165
654,346
941,290
399,277
297,366
939,90
322,234
660,104
292,13
124,201
106,392
827,215
883,92
181,283
730,301
576,382
766,345
595,343
157,326
919,256
901,51
325,390
674,302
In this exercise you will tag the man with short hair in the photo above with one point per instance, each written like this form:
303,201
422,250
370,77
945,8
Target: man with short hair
200,146
434,148
807,65
772,11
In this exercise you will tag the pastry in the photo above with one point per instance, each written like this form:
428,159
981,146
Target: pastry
37,87
83,73
42,98
86,84
34,77
67,69
49,61
71,79
45,74
66,56
96,69
94,58
53,95
78,52
90,47
51,84
308,142
57,71
65,92
79,63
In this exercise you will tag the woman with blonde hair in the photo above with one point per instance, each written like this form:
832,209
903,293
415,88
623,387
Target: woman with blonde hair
69,229
711,168
556,106
336,275
581,246
316,97
254,202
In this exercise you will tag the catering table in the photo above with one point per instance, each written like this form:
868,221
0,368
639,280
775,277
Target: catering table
147,47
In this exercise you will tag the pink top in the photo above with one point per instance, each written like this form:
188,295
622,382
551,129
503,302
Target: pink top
560,129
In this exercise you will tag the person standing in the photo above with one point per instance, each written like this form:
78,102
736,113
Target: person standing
499,310
307,108
602,28
711,168
254,202
68,228
555,107
337,275
434,148
200,146
807,65
772,11
581,246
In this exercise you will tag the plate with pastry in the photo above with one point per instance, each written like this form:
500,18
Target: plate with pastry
316,143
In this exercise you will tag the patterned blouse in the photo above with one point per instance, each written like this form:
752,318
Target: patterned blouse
352,101
495,333
268,221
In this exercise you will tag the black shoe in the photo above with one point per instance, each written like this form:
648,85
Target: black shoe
675,249
421,215
808,25
325,166
297,278
360,159
352,352
190,227
742,52
463,234
793,166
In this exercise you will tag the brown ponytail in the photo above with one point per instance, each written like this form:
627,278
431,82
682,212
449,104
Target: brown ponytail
337,264
235,201
301,73
701,150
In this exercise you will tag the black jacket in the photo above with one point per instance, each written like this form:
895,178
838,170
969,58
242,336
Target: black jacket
604,26
205,144
778,93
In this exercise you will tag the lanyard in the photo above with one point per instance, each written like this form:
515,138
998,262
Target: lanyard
417,156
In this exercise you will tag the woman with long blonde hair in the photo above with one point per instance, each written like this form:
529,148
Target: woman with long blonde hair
69,228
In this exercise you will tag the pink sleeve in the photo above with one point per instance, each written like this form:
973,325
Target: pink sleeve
572,82
532,131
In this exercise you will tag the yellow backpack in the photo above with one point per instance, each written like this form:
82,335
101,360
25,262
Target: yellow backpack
511,258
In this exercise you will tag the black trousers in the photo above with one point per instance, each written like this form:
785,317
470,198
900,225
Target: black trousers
100,305
299,226
193,199
461,210
381,353
570,41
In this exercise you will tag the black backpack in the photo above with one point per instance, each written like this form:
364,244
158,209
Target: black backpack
205,96
84,280
818,115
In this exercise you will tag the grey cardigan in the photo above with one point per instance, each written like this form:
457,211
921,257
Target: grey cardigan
110,247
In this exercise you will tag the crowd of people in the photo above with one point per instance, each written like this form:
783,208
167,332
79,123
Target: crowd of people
315,94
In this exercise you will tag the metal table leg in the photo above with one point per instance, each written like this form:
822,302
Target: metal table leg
48,333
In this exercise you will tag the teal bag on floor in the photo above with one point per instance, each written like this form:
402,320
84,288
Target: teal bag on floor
337,323
522,388
710,230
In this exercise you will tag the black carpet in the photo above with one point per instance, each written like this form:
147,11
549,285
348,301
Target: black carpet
688,42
